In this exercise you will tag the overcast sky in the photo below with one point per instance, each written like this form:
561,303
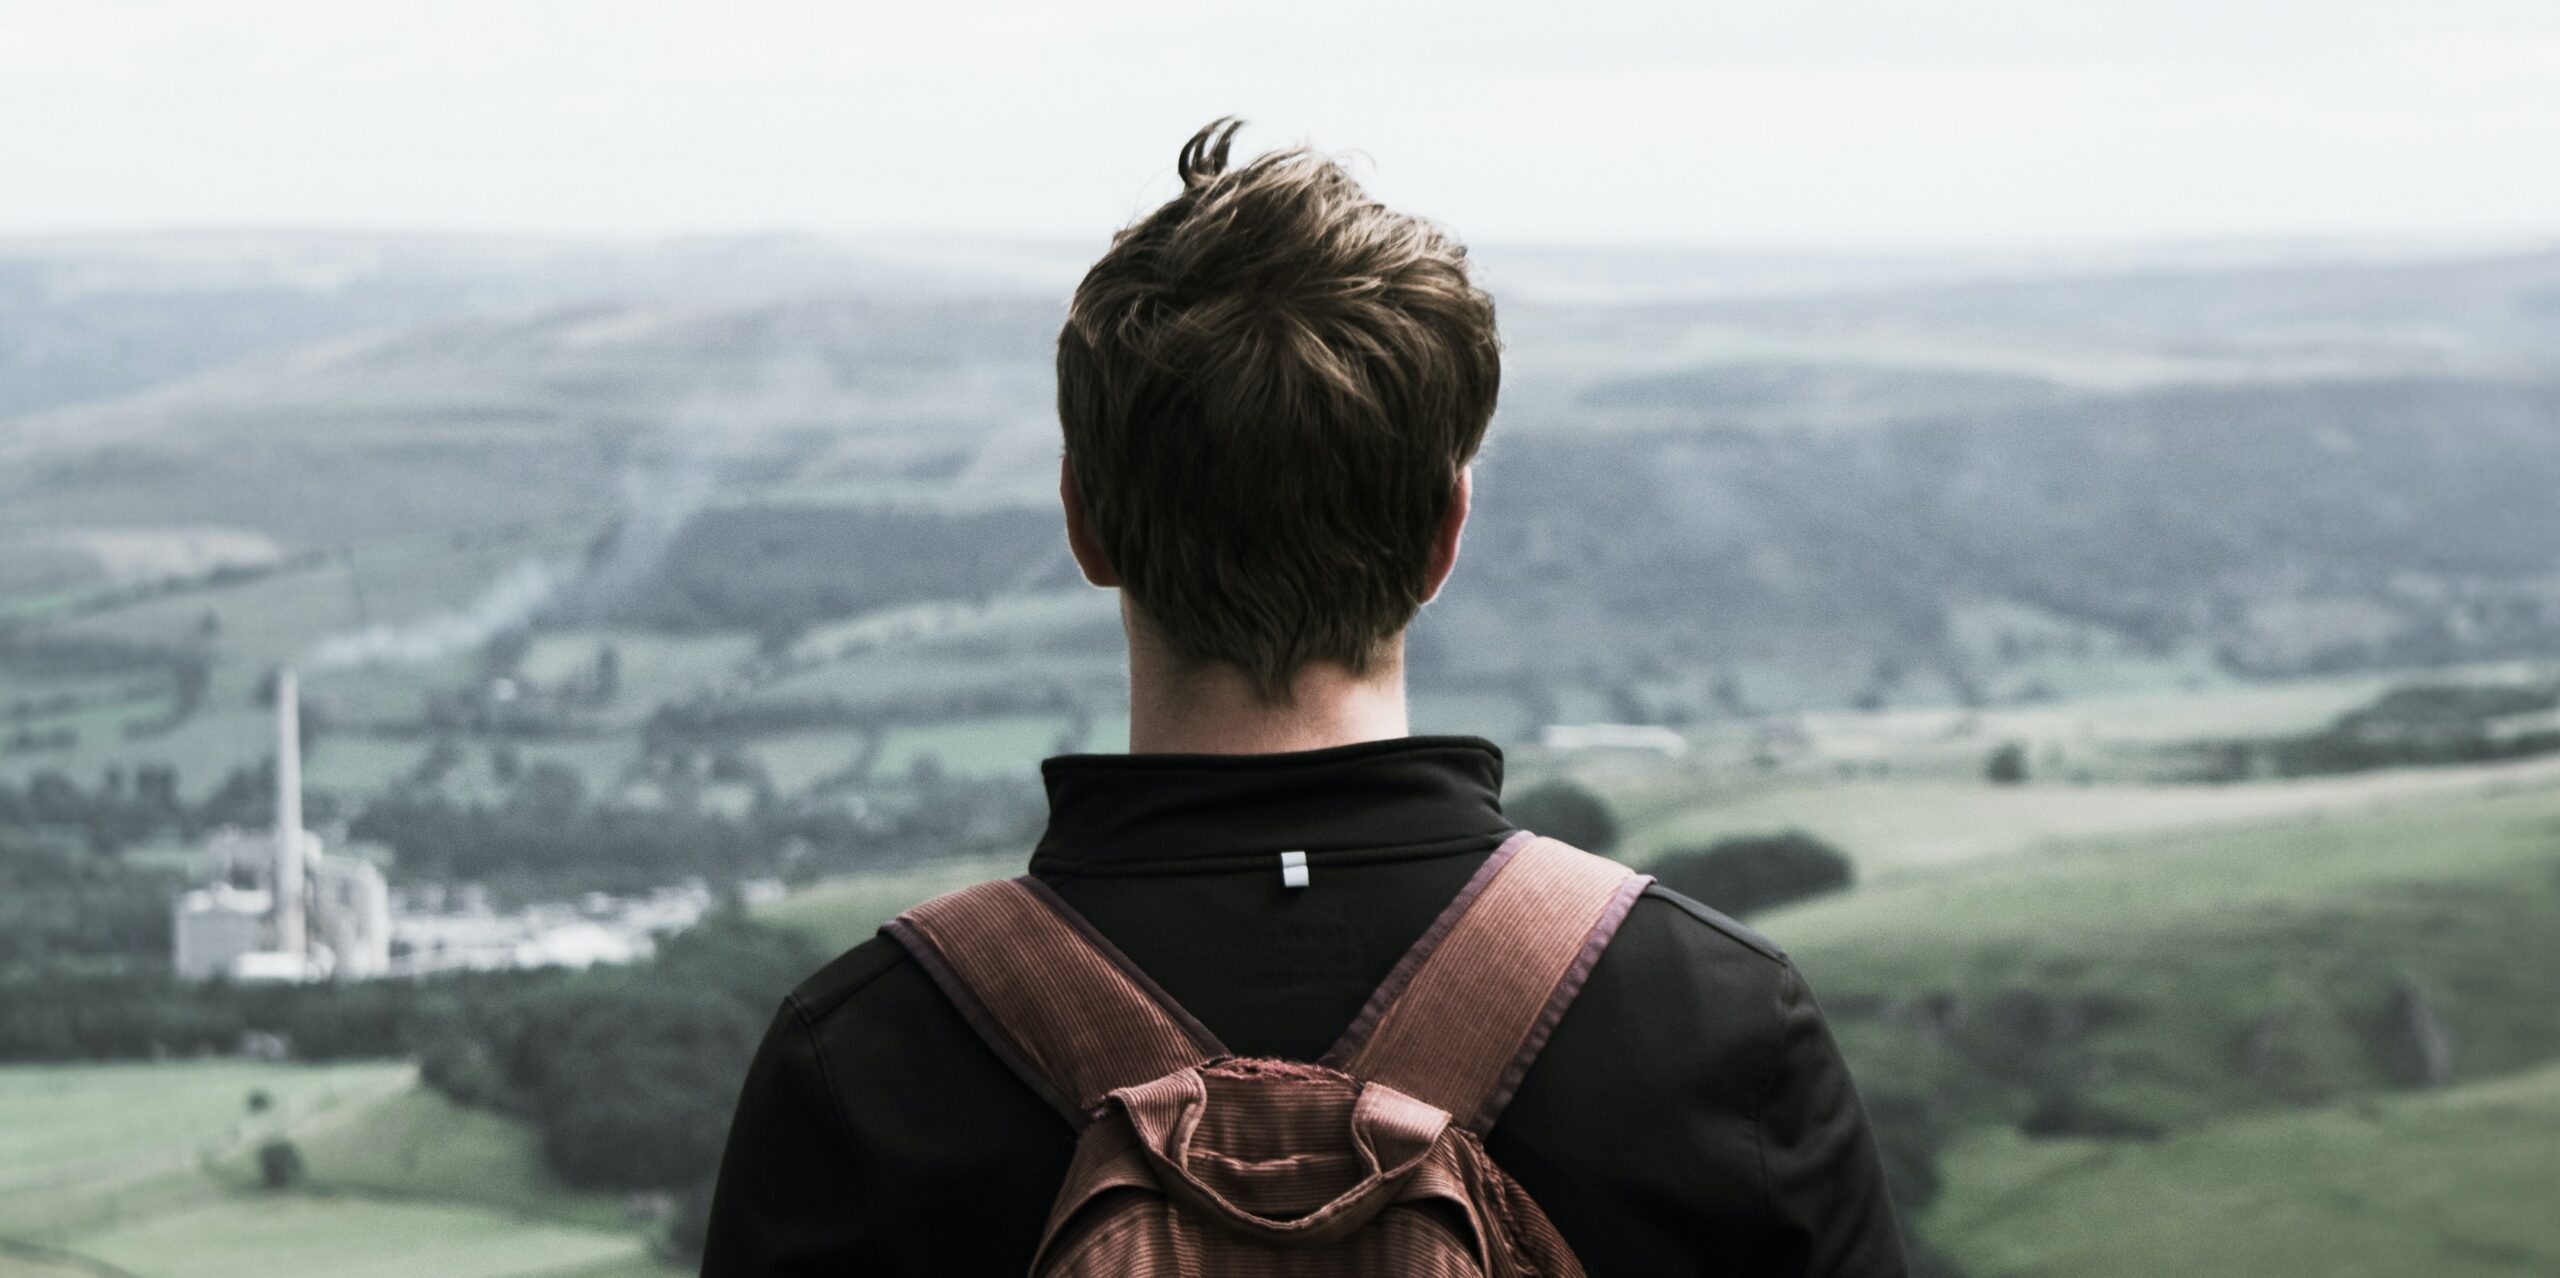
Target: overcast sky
1772,124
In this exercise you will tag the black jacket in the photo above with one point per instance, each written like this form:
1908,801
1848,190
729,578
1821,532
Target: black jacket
1690,1115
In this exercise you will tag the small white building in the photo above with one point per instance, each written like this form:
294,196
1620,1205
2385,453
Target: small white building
217,925
350,909
1649,737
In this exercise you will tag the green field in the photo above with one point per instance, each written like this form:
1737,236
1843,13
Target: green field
19,1260
796,761
415,1143
2299,930
232,729
1893,828
999,745
297,1234
1019,623
2453,1184
359,767
842,913
84,1144
654,667
150,1170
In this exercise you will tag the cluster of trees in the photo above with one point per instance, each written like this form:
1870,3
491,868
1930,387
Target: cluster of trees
714,719
126,806
548,829
502,701
131,1007
629,1074
70,910
1752,873
2428,724
1739,876
131,805
1564,810
176,677
2420,725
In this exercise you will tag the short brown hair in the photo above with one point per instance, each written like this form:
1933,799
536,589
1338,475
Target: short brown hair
1269,387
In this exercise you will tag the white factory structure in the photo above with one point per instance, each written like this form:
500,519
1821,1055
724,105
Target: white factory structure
272,907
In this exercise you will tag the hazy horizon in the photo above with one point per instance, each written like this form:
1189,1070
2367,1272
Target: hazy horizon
1841,127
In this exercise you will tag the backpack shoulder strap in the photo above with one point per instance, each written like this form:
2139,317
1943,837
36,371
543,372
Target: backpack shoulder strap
1055,999
1459,1020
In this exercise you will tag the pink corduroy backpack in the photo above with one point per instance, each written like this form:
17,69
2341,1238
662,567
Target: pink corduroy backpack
1194,1162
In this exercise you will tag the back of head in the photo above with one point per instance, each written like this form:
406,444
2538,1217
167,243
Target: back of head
1269,386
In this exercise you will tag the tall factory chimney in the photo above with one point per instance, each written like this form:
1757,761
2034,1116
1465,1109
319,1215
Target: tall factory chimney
290,929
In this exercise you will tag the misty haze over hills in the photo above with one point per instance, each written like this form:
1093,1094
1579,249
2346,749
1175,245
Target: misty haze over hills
1811,478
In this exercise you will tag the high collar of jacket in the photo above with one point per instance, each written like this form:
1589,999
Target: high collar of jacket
1184,811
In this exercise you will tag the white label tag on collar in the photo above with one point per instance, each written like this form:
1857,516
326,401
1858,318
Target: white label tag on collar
1293,869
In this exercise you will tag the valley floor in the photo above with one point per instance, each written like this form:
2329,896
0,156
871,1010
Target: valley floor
141,1171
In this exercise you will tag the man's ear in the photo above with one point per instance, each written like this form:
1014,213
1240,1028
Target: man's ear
1444,543
1080,540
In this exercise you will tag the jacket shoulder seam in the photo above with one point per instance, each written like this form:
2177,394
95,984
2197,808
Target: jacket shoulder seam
826,1079
1789,981
1719,921
837,997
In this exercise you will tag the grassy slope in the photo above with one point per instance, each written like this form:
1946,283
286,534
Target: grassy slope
1896,827
417,1144
2450,1184
22,1261
85,1144
999,745
2295,1156
2199,937
302,1234
151,1169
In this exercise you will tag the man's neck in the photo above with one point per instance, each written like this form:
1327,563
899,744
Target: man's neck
1178,707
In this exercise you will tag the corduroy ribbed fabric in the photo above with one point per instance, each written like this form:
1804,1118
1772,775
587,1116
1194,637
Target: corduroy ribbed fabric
1196,1164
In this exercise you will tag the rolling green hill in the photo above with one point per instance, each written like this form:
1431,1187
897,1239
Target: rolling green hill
2179,978
2446,1184
150,1170
2307,1044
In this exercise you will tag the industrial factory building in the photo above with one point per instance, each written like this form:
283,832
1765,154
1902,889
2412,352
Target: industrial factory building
272,907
